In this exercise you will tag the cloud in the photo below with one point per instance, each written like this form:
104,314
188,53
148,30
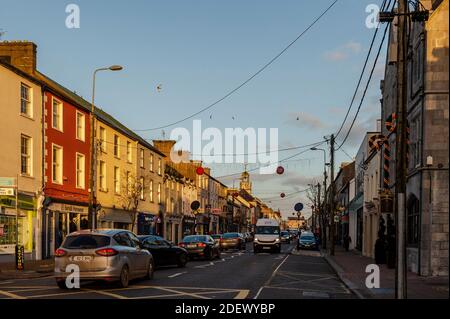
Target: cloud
343,52
305,120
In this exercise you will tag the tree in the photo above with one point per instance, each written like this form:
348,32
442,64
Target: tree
133,190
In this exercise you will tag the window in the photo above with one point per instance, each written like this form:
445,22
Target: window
159,193
80,167
413,221
57,164
141,157
57,115
150,186
116,146
80,126
102,176
151,162
25,147
25,100
414,143
103,139
116,180
129,155
141,187
159,166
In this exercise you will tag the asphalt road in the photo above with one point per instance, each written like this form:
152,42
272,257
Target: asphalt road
238,275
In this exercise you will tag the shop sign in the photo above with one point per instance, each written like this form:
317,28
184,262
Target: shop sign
69,208
5,191
7,182
20,257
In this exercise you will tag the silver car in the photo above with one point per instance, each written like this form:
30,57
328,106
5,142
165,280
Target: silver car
112,255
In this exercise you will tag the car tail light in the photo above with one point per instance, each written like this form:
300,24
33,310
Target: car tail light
181,244
201,245
106,252
60,252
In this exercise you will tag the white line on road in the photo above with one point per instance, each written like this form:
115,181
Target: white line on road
271,277
176,275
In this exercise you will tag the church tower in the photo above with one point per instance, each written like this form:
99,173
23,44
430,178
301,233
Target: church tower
245,182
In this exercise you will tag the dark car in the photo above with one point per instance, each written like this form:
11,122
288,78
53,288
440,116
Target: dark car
285,236
203,246
233,241
164,252
307,241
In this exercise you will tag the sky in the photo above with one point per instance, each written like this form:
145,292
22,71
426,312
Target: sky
197,51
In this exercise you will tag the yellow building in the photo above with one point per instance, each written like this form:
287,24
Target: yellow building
21,158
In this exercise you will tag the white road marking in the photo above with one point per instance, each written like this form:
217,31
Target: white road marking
271,277
176,275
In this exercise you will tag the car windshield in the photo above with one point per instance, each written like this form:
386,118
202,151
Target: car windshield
86,241
231,235
267,230
216,236
307,238
284,233
193,239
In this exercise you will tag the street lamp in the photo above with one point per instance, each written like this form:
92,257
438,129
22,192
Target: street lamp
93,148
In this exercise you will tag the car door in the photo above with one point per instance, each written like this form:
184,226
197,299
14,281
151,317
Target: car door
166,251
140,255
126,249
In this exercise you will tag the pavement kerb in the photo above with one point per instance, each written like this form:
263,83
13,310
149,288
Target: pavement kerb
340,273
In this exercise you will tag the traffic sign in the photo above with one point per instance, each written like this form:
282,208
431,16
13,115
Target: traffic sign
298,207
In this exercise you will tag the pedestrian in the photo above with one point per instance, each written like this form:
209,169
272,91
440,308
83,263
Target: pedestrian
347,241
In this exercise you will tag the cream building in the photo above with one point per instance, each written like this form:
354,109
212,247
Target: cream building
21,158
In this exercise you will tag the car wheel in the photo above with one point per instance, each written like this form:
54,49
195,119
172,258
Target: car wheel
124,278
61,284
182,260
150,270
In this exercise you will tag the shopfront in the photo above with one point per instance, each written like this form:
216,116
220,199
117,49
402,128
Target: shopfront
188,225
12,226
147,224
202,224
173,231
116,219
59,220
214,224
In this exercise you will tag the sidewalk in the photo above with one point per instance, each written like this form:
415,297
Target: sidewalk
351,266
33,269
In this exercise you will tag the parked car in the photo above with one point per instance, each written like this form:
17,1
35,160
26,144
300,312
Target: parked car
112,255
164,252
202,246
217,238
233,241
285,236
307,240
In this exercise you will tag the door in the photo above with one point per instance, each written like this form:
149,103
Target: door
140,255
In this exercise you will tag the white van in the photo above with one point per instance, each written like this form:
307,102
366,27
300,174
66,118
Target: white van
267,236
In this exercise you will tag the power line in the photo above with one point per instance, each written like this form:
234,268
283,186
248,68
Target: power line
246,81
365,89
362,73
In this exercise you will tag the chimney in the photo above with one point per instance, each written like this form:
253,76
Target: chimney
165,146
20,54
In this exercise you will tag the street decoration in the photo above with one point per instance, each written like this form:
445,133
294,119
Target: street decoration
200,170
280,170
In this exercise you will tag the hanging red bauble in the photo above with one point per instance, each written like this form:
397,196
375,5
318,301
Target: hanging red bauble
280,170
200,170
282,195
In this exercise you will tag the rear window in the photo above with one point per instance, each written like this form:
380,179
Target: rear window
231,235
86,242
307,238
190,239
216,236
284,233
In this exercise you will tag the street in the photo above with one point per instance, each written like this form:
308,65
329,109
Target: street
237,275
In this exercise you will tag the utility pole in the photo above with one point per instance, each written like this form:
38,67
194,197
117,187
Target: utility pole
332,205
317,207
401,156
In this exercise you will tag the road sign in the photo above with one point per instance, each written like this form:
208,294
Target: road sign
298,207
195,205
6,191
336,219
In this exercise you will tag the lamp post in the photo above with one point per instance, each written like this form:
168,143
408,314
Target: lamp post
93,150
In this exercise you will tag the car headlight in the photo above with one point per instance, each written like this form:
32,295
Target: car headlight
277,240
255,240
